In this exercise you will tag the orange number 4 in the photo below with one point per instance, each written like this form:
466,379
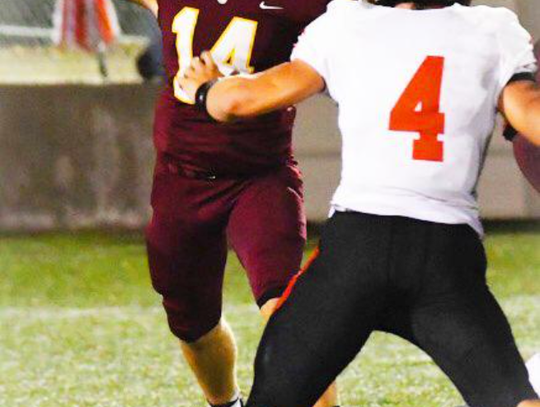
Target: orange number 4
418,110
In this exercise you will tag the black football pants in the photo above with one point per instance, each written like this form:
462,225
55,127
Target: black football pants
423,281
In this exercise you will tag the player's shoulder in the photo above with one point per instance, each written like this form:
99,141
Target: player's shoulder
497,14
346,7
339,11
489,19
336,22
308,11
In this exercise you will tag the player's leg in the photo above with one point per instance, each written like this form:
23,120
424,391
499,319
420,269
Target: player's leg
187,254
212,358
267,229
330,398
325,320
458,322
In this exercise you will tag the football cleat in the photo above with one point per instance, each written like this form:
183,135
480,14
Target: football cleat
237,402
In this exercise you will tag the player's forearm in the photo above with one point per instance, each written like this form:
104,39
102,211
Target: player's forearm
528,123
243,97
531,122
239,98
521,107
228,99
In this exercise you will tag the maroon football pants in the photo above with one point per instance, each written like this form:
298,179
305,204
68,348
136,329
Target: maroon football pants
261,217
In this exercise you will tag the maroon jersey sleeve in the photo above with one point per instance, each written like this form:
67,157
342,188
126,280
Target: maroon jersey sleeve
243,35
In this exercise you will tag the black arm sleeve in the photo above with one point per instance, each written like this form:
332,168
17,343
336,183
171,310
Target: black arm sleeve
523,76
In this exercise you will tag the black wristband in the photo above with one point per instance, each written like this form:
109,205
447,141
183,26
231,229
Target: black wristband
202,94
510,133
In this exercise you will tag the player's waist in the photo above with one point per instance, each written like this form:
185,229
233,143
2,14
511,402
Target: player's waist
167,163
411,204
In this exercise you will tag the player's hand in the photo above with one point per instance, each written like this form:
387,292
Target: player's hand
201,70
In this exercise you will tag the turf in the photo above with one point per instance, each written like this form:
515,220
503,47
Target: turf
80,326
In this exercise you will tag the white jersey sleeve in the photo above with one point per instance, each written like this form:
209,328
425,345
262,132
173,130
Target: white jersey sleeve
313,45
318,41
516,48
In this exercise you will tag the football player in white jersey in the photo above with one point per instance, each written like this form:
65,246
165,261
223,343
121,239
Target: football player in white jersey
418,86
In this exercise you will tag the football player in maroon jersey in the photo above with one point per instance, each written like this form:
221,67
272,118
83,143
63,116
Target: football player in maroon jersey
215,184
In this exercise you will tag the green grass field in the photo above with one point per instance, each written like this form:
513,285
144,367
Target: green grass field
80,326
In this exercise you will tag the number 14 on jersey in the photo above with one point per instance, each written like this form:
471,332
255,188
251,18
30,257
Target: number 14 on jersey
231,52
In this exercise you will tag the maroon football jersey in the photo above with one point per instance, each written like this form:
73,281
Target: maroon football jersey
243,35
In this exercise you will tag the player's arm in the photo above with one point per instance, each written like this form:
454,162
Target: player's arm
280,87
520,104
239,97
151,5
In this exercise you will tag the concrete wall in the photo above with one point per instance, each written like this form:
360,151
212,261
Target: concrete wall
81,156
529,12
75,156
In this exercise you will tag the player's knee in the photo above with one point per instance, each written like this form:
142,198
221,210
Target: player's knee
268,308
189,326
268,296
216,335
192,333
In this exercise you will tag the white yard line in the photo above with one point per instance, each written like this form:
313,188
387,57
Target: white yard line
122,311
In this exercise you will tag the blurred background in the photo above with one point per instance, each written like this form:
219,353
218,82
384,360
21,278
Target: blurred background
75,126
80,325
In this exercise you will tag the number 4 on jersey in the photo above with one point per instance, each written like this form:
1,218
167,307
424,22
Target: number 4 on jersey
418,110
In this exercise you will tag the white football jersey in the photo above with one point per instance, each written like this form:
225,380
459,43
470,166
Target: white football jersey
417,92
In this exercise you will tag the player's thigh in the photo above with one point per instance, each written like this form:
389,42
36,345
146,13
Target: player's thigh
462,327
472,342
323,324
267,229
187,255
